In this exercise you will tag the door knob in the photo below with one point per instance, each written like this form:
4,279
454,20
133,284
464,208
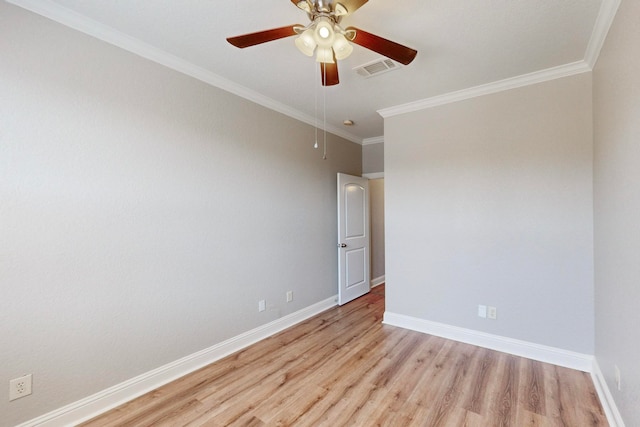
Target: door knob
342,245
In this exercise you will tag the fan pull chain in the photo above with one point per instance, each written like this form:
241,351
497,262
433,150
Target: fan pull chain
315,92
324,112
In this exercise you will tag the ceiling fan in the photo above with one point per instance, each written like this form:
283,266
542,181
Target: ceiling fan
324,36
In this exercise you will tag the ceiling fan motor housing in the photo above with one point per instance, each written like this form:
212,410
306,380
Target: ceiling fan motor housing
315,8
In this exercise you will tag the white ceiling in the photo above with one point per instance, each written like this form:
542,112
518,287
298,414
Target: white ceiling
461,44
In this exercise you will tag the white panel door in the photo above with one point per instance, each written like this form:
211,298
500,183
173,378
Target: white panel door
353,237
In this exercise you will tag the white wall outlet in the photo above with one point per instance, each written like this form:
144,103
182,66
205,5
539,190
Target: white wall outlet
262,305
618,377
289,296
492,313
20,387
482,311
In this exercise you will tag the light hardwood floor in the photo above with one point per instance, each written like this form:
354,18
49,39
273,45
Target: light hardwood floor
344,368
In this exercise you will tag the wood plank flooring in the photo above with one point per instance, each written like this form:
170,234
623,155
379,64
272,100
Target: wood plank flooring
345,368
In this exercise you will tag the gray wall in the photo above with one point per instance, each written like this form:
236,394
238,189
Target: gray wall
617,209
373,158
489,201
376,192
373,163
143,214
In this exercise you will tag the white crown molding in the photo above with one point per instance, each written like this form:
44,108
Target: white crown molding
606,398
607,14
542,353
102,32
96,404
489,88
81,23
374,140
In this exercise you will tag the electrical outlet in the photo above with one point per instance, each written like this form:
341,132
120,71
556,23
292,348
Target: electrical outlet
262,305
492,313
482,311
289,296
618,377
20,387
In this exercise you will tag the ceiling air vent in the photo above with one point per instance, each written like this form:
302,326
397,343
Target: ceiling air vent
376,67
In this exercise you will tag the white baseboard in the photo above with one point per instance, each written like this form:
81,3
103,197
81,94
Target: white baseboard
377,281
606,398
112,397
542,353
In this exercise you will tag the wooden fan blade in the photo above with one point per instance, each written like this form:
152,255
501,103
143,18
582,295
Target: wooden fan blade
352,5
393,50
329,73
259,37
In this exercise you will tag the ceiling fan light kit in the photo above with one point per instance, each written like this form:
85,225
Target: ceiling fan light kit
306,42
324,30
325,55
324,37
341,47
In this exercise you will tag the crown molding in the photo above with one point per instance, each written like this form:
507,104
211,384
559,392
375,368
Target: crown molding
489,88
608,11
374,140
69,18
81,23
606,15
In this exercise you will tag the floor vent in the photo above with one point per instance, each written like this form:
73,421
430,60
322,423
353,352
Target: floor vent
376,67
